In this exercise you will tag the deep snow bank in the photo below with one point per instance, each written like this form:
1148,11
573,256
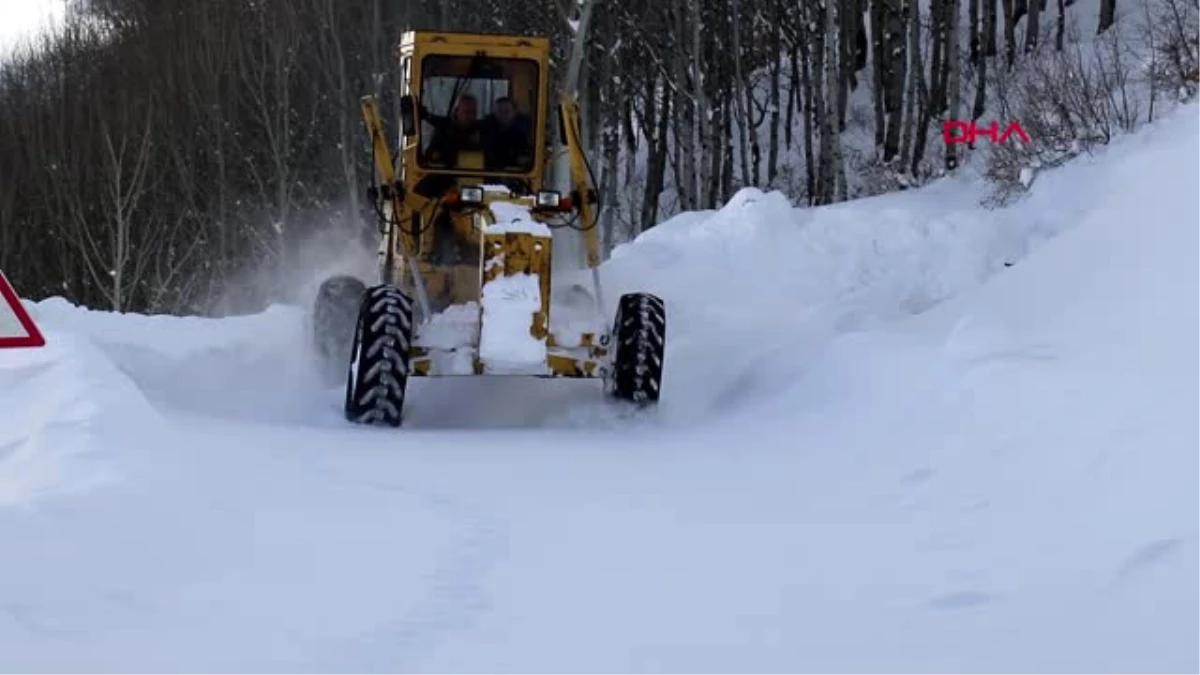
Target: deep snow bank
257,367
1004,483
261,368
756,288
753,290
1050,419
62,409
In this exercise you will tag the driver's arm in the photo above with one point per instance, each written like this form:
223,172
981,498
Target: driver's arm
436,120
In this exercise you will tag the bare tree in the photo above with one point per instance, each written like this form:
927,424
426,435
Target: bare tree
953,69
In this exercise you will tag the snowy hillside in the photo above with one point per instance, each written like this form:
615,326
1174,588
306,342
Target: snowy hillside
879,449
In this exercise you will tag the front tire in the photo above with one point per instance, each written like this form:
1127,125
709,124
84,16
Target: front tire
379,366
639,343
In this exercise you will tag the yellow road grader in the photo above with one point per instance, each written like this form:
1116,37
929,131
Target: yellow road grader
474,236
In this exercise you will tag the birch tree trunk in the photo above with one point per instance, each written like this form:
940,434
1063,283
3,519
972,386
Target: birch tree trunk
894,57
954,70
684,114
700,177
740,84
917,127
812,103
831,136
776,66
822,193
988,50
879,81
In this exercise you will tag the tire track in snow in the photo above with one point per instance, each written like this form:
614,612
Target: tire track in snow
458,595
1145,558
408,611
455,598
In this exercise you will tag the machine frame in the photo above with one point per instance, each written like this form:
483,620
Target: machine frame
501,226
508,253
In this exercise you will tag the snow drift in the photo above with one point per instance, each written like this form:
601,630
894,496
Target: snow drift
752,291
62,409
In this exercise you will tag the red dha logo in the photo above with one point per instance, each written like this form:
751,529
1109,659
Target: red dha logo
957,131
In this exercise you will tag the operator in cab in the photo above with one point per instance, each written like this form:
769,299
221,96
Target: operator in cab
458,132
504,136
507,137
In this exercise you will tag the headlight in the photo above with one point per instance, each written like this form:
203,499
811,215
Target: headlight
548,198
470,194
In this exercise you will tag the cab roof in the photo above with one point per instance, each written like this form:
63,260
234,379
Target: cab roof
429,38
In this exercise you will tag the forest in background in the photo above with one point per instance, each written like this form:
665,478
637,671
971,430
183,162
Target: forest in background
152,152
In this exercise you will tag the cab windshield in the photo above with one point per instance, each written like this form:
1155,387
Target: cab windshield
478,113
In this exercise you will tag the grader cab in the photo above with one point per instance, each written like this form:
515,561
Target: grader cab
485,266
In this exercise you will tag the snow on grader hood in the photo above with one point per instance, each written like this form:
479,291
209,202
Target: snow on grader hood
469,228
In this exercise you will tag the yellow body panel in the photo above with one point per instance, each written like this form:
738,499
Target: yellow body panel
446,242
514,253
569,110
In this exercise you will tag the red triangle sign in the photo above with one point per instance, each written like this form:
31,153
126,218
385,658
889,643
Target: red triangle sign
16,327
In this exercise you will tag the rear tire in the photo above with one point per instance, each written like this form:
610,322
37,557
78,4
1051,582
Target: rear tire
334,314
639,345
378,374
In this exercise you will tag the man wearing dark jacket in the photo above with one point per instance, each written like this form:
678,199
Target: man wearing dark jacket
458,132
506,137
